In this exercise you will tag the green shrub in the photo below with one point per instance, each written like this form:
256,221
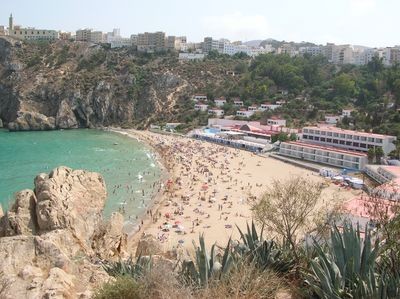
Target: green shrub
123,287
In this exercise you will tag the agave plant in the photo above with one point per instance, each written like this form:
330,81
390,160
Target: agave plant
265,254
347,268
129,267
207,266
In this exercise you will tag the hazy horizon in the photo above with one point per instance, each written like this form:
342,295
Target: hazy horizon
358,22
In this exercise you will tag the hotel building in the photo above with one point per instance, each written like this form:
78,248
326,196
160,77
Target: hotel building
347,139
30,33
324,155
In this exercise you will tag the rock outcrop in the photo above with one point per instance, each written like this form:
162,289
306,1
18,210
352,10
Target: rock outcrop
32,121
65,118
51,239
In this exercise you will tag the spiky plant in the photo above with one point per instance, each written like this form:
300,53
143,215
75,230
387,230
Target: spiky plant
346,267
207,266
129,267
265,254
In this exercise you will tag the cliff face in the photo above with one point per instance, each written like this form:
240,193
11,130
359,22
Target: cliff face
73,84
52,237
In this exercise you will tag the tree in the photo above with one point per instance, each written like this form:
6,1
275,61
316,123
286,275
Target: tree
379,154
293,137
371,155
288,208
344,85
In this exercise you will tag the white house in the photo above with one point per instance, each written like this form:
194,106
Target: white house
269,106
276,121
252,108
201,107
346,112
199,97
219,102
238,103
244,113
332,119
216,112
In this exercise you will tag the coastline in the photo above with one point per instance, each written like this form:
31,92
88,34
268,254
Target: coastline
157,199
233,176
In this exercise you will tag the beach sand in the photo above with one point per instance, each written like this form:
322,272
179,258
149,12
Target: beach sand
209,188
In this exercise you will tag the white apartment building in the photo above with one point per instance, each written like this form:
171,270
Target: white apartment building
219,102
201,107
276,121
121,42
351,140
313,51
238,103
199,97
252,108
191,56
244,113
269,106
324,155
346,112
216,112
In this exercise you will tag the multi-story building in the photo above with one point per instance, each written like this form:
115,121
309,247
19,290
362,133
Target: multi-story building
269,106
83,35
324,155
121,42
64,35
151,42
200,97
351,140
332,119
276,121
96,37
244,113
219,102
175,43
216,112
313,51
2,30
238,103
201,107
210,44
191,56
30,33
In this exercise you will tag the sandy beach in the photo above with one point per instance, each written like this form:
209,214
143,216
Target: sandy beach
208,189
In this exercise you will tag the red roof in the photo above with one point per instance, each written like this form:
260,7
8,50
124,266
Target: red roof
328,148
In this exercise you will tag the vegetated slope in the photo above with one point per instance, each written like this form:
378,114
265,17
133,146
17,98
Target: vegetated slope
76,84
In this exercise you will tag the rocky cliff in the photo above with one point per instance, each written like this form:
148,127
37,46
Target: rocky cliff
53,237
64,85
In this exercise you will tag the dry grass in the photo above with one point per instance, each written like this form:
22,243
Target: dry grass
247,282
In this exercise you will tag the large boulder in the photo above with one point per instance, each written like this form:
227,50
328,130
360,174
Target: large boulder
51,238
109,241
65,118
148,245
70,199
32,121
21,218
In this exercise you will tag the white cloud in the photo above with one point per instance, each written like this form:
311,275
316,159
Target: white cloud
236,26
362,7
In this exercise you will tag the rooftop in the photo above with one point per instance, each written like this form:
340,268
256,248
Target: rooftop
339,130
395,170
327,148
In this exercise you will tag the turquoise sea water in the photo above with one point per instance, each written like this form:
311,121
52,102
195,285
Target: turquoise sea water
127,165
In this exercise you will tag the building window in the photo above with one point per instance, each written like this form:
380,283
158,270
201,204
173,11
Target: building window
328,140
342,142
323,139
335,141
363,145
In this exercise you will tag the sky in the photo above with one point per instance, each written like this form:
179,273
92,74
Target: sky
372,23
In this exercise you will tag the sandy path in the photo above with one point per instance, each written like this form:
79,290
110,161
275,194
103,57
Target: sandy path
228,173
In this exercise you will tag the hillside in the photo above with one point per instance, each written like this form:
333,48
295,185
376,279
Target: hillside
70,85
73,84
